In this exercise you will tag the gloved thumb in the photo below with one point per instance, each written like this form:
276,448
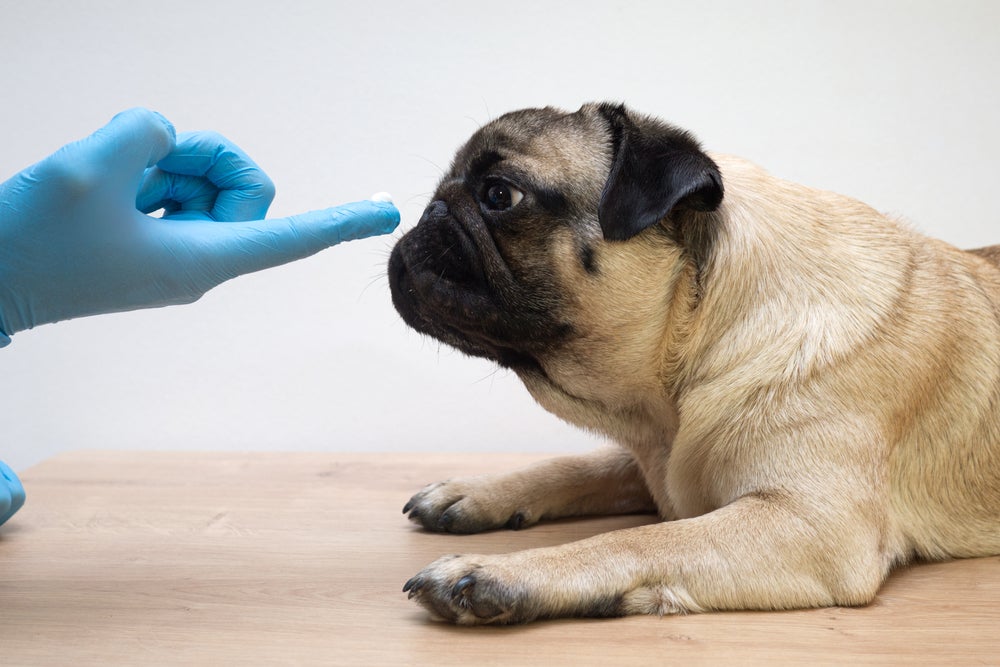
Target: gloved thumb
244,247
119,152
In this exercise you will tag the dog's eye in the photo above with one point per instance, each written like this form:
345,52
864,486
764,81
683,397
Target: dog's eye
500,197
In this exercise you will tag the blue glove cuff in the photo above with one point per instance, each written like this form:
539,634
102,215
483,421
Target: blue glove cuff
4,338
11,493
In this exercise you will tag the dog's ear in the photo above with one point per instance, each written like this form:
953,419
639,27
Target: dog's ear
656,171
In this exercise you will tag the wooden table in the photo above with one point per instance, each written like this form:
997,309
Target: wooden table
227,559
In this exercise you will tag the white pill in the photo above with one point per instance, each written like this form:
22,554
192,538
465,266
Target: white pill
381,196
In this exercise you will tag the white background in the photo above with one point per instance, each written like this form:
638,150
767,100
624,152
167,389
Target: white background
895,103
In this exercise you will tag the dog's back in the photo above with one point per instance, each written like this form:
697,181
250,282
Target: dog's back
989,253
908,326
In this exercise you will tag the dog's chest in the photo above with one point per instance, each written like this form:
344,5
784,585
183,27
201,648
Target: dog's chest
694,481
684,481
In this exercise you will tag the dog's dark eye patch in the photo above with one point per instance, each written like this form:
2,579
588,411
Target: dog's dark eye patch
481,166
588,257
551,200
484,166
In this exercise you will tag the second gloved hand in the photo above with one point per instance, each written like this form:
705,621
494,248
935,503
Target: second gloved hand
75,237
11,493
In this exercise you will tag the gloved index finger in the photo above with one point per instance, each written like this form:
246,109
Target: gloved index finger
243,247
244,191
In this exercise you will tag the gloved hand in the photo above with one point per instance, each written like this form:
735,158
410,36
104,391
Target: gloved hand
11,493
75,239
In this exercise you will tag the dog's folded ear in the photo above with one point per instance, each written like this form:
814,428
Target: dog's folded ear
656,171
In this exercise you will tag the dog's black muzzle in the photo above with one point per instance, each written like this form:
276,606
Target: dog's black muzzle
438,282
448,281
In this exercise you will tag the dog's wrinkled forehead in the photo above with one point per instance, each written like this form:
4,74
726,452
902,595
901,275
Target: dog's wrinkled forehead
570,152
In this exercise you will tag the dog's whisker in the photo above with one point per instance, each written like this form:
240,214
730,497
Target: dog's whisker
441,172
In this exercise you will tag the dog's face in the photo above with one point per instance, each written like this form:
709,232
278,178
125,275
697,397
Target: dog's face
556,239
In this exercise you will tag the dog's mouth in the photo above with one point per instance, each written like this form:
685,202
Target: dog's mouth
448,280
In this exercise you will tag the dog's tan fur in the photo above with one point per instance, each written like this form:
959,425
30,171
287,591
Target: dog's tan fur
817,405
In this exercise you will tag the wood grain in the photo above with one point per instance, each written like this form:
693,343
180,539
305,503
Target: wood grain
266,558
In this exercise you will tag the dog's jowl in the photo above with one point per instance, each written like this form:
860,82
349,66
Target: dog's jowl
805,391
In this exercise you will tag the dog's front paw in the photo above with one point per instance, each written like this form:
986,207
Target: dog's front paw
467,506
465,590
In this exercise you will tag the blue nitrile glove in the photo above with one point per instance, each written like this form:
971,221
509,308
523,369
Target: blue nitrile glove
11,493
75,239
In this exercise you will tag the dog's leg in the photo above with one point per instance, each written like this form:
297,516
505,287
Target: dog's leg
759,552
607,481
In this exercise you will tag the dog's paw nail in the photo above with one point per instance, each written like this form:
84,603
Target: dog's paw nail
445,521
464,595
517,521
463,587
413,585
410,504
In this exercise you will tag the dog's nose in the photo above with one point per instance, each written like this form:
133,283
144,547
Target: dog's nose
436,209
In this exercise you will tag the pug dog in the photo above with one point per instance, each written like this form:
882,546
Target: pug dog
806,391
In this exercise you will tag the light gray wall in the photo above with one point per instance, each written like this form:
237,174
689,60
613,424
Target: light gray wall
895,103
